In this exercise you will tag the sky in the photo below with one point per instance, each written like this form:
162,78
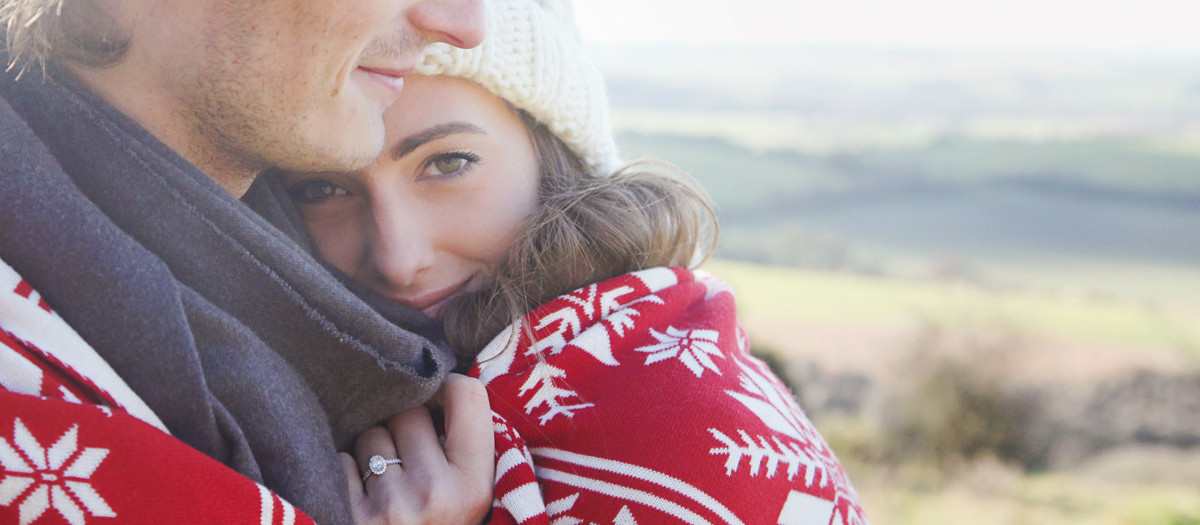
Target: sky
1108,25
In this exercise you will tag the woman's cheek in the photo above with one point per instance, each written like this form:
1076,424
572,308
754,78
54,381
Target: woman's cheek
342,243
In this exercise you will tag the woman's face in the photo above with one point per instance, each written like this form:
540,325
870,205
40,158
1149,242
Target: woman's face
439,209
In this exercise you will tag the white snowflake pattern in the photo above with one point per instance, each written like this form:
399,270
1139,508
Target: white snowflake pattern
621,320
583,325
593,304
694,348
55,477
762,454
625,517
559,509
543,378
801,445
773,405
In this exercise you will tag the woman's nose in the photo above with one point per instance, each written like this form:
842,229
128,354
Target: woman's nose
402,249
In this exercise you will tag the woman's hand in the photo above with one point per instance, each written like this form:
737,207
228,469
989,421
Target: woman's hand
436,484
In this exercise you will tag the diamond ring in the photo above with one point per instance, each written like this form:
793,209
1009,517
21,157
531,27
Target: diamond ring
377,465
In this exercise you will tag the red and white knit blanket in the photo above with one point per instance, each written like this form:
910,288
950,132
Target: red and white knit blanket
78,447
635,400
630,401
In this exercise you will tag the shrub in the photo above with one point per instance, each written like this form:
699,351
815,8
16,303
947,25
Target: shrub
955,401
777,364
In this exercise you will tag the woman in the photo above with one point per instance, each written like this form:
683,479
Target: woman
621,384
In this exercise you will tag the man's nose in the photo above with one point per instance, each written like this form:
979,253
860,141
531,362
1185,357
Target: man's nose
402,249
460,23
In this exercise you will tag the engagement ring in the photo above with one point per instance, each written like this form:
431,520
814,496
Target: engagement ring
377,465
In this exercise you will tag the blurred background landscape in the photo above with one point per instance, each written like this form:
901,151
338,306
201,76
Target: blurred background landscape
974,252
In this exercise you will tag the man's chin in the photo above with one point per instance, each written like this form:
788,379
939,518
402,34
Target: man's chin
344,156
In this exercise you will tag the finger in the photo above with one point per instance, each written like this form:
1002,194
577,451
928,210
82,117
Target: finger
353,480
375,441
416,441
470,439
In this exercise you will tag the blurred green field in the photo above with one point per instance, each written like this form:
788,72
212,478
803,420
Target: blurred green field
768,293
739,175
1142,168
993,495
1099,218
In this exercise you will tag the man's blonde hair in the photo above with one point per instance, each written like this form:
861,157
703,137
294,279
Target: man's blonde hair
38,31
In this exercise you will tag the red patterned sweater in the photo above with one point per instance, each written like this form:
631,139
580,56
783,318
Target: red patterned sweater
78,446
635,400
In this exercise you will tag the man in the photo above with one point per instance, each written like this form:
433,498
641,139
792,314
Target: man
128,129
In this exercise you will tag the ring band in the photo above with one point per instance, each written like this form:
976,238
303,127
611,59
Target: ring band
377,465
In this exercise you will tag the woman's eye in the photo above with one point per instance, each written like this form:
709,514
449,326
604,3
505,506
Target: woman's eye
452,164
449,165
315,191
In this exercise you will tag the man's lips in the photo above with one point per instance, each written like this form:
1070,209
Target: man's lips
387,71
389,78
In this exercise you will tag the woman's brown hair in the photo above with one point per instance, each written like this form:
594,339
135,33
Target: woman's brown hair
586,229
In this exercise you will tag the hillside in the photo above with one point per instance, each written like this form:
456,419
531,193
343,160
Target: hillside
1081,217
1079,173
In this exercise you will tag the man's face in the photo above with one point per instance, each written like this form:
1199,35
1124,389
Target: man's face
298,84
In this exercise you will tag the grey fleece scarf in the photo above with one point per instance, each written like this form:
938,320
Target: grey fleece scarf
245,346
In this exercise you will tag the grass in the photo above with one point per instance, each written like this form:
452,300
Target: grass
994,495
990,493
783,294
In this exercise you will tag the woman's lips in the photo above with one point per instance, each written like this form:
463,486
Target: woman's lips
431,303
435,311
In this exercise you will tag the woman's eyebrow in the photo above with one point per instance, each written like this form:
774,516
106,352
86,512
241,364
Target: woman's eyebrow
415,140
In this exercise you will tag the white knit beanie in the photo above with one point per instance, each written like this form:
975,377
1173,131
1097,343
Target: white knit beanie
532,57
